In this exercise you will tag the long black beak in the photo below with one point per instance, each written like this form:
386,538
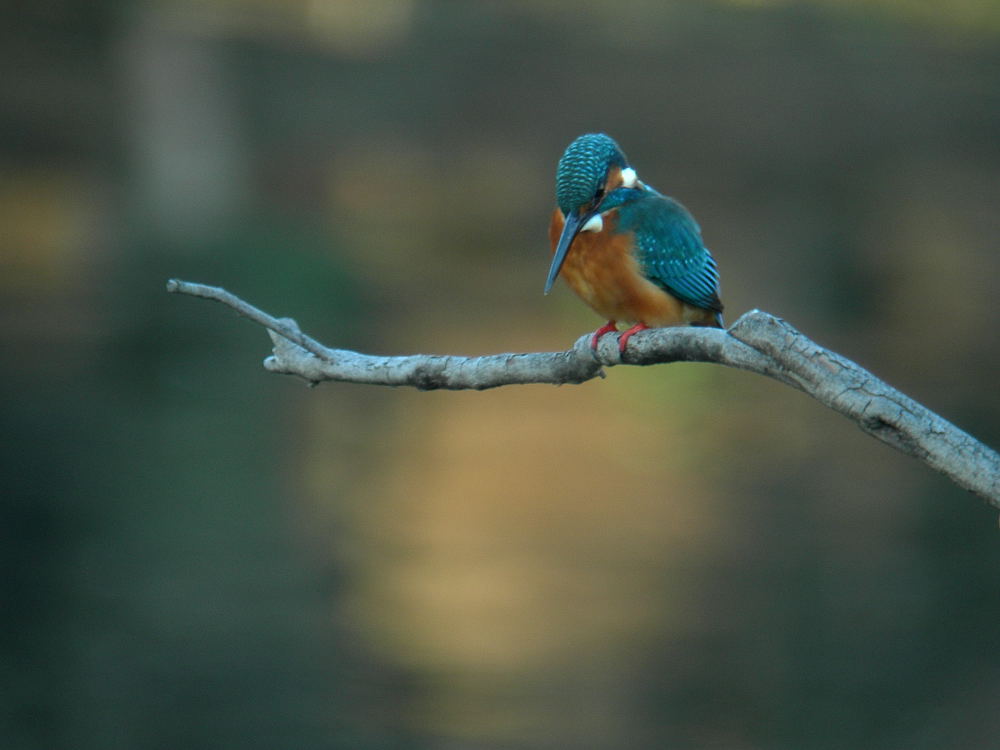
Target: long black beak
571,228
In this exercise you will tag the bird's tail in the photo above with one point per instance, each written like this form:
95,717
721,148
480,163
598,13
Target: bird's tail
708,319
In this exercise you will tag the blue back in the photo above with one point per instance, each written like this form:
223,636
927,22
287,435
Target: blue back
668,245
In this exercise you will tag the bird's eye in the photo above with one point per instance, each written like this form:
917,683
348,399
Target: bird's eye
598,195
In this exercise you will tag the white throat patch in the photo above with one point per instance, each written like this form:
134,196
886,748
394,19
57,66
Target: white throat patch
594,224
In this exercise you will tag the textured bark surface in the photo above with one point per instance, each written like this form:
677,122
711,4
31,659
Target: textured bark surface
757,342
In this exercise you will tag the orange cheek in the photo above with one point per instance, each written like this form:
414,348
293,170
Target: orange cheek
555,228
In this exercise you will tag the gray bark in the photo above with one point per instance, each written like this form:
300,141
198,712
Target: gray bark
757,342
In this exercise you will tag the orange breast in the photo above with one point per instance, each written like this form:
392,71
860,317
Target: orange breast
602,271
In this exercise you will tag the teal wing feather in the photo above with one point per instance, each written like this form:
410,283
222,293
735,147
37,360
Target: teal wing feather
670,250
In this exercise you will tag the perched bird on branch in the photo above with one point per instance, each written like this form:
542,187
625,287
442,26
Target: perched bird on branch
629,252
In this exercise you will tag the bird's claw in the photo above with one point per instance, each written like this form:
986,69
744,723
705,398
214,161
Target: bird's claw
626,335
596,338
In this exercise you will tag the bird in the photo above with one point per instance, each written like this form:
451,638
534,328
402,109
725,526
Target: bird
629,252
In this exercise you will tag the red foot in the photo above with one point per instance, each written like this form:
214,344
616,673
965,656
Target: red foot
606,328
626,335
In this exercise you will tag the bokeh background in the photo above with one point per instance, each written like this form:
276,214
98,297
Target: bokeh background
197,554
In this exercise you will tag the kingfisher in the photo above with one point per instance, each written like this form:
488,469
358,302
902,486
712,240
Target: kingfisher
631,253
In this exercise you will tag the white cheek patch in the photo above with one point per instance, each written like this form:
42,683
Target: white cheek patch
629,177
594,224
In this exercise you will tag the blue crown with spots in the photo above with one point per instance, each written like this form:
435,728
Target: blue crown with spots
583,169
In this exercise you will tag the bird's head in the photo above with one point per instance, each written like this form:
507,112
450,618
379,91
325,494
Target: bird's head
590,169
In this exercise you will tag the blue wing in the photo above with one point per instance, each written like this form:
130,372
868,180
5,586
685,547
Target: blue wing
670,250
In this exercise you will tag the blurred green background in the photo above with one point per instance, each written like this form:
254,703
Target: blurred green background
198,554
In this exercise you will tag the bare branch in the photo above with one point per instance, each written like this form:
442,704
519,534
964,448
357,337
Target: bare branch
757,342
